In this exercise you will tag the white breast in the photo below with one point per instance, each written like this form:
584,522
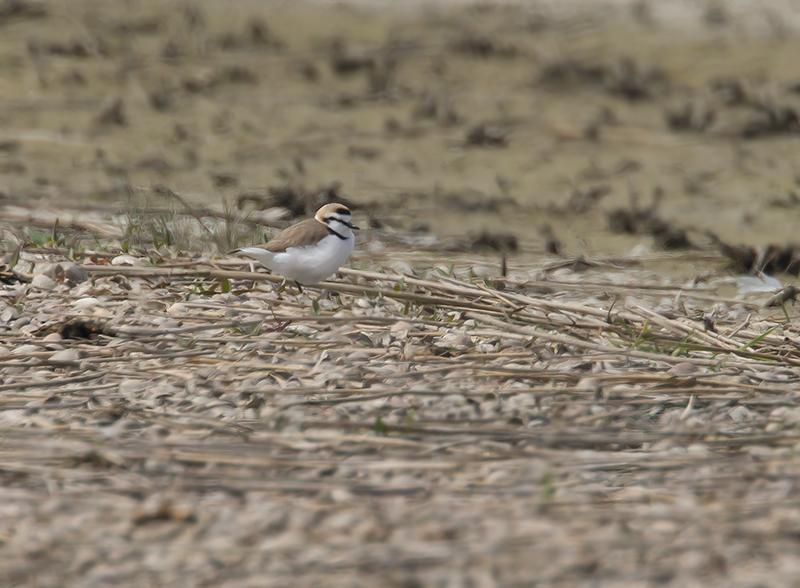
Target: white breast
314,263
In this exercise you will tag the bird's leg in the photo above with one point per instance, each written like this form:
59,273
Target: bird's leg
280,288
299,287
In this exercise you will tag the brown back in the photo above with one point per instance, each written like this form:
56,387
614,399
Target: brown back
303,234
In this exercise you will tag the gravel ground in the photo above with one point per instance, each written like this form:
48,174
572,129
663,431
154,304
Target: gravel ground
185,424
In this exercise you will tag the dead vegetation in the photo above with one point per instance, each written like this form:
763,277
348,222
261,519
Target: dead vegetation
771,259
296,198
638,220
624,78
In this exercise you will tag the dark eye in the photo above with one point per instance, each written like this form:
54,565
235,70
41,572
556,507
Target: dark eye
342,210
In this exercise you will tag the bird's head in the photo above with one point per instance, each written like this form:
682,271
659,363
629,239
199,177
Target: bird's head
336,216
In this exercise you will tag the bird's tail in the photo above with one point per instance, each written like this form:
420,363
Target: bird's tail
256,252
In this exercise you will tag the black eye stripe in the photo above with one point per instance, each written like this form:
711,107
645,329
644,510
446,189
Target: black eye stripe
342,211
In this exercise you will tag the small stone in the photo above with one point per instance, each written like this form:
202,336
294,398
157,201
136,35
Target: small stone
400,330
301,330
66,355
25,350
126,260
43,282
8,314
48,269
75,274
483,271
698,449
85,303
20,322
177,308
684,368
741,414
363,303
53,338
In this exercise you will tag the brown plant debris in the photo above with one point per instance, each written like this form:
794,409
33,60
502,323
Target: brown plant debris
483,47
493,241
771,259
624,78
646,220
486,135
295,197
17,10
112,114
787,294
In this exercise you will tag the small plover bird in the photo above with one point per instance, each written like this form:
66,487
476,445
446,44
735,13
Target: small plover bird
311,250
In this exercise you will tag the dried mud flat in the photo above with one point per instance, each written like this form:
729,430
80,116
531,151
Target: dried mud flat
435,416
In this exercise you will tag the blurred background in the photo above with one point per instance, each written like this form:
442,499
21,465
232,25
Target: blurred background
538,127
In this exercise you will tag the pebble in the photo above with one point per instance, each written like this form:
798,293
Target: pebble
741,414
363,303
20,322
483,271
85,302
75,274
177,308
52,338
683,368
66,355
8,314
301,330
43,282
25,349
126,260
47,269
